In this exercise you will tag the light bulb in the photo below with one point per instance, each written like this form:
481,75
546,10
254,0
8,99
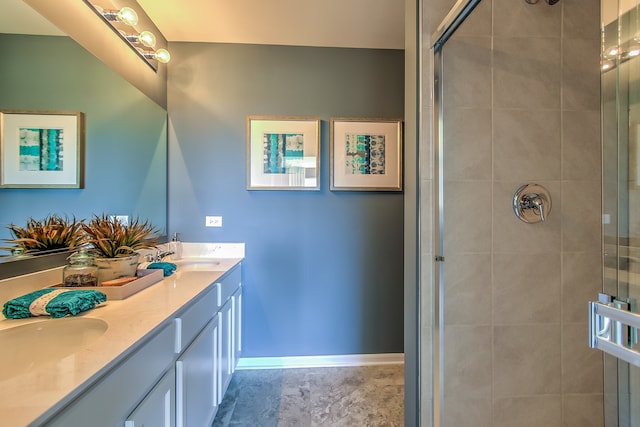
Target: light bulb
147,38
125,15
162,55
128,16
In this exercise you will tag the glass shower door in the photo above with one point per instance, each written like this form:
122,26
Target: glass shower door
620,86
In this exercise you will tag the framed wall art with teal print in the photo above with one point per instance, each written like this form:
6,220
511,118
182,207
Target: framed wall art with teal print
41,149
366,154
283,153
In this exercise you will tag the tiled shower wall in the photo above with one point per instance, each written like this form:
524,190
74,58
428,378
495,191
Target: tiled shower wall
521,104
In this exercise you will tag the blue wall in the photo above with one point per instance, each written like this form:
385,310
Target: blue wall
324,270
126,132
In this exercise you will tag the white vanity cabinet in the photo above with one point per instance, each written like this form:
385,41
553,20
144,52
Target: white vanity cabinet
229,328
110,401
197,379
159,407
177,376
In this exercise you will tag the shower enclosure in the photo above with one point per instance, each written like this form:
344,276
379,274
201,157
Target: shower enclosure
516,101
620,86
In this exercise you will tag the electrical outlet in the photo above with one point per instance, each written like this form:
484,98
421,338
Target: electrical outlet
122,219
213,221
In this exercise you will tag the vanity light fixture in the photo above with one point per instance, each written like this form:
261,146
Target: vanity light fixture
122,22
160,55
145,38
126,15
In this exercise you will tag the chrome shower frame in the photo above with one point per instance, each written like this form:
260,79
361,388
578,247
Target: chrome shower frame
456,16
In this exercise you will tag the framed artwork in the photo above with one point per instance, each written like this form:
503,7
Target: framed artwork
41,149
283,153
366,154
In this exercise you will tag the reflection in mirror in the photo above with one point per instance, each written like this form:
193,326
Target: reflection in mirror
126,141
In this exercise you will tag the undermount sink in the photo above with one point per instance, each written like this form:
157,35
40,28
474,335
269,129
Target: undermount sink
199,264
33,344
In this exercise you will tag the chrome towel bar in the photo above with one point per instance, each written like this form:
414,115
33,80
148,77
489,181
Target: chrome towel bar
614,330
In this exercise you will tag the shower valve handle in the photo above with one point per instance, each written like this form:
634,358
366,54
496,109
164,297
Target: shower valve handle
532,203
537,202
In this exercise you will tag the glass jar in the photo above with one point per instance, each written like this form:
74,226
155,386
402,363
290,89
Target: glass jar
81,271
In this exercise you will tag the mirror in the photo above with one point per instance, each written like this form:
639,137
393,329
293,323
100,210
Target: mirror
125,155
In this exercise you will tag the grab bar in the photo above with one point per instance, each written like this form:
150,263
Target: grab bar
610,330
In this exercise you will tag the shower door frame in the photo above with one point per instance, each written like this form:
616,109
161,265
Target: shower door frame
456,16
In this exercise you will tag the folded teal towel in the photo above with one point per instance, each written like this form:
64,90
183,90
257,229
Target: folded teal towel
53,302
168,267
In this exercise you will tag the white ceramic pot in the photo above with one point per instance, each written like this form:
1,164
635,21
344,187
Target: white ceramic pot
114,268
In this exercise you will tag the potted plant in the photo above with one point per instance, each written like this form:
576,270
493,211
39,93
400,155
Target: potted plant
53,233
114,244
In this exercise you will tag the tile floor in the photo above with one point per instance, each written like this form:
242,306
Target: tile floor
364,396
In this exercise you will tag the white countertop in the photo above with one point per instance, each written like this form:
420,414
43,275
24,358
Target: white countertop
47,387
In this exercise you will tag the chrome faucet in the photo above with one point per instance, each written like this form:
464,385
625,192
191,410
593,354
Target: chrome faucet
158,256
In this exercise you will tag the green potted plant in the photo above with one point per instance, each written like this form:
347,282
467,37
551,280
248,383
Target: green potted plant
114,244
53,233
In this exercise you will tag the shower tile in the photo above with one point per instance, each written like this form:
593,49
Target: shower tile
526,145
534,411
466,412
467,143
426,299
467,293
426,150
467,65
426,212
526,361
519,19
526,72
580,85
467,222
581,216
581,282
583,410
434,14
611,410
467,365
514,236
526,288
581,145
581,19
582,366
478,23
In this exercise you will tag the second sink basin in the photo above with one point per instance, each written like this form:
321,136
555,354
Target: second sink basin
200,264
45,341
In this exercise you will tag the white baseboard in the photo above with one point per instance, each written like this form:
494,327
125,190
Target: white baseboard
320,361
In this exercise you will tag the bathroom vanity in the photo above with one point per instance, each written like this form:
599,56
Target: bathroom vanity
165,358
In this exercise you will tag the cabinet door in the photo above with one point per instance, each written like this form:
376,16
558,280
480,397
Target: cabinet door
157,409
237,327
226,344
197,380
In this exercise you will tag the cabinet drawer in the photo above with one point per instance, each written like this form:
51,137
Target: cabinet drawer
194,318
228,284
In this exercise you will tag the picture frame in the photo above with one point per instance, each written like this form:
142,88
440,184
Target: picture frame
283,153
41,149
366,154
